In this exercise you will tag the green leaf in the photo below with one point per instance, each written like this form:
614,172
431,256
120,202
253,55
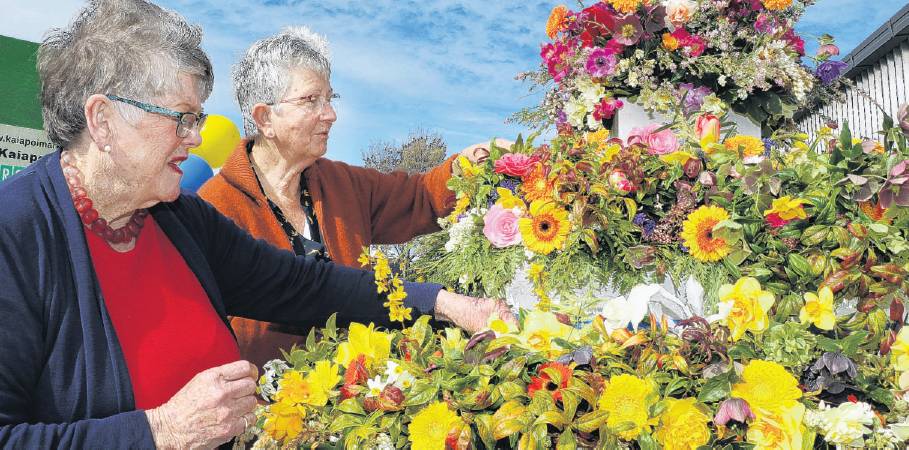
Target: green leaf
591,421
552,417
344,422
351,406
826,344
647,442
567,441
484,424
715,389
850,344
421,393
331,326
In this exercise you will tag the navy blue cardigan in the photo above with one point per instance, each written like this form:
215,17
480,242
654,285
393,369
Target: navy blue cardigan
63,378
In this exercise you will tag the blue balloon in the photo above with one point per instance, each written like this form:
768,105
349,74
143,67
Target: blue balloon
196,172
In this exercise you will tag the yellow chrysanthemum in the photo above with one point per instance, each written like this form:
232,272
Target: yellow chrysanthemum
431,426
628,399
507,199
625,6
818,309
899,351
750,145
776,5
781,431
787,208
284,420
537,185
683,426
556,21
363,340
540,327
744,306
680,157
697,234
546,229
768,388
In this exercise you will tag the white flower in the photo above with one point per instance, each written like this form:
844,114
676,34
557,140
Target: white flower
376,386
268,382
590,93
619,312
459,232
843,425
576,112
404,381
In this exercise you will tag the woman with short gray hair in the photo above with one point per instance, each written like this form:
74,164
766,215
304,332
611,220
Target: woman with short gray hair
278,186
114,287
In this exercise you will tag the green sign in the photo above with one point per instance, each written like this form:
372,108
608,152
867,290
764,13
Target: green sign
22,140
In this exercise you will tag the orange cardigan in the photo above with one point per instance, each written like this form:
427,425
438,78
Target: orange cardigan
355,207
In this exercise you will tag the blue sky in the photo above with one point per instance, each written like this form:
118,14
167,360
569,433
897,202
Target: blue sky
445,66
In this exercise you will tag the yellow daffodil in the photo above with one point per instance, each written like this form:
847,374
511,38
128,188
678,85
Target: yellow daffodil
679,157
787,208
743,307
363,340
782,431
899,351
818,309
540,328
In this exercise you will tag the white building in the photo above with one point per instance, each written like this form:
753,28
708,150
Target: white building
879,67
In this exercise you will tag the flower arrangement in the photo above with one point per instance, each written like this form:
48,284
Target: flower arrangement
671,54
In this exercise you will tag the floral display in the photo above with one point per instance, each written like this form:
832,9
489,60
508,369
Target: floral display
799,247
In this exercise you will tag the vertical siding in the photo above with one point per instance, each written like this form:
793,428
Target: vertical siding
885,82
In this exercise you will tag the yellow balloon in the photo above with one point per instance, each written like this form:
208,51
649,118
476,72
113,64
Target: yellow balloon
219,139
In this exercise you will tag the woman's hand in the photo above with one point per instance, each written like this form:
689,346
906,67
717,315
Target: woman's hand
470,313
216,405
478,153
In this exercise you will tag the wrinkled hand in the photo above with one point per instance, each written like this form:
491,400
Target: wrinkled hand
478,153
216,405
470,313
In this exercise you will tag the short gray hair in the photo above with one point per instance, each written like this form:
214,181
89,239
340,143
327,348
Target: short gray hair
263,74
130,48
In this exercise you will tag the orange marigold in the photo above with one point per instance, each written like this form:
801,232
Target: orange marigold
776,5
670,43
626,6
556,21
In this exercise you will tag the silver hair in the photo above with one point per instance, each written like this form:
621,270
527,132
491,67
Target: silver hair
264,72
130,48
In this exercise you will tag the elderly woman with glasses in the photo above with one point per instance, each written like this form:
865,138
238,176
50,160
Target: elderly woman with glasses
278,186
114,288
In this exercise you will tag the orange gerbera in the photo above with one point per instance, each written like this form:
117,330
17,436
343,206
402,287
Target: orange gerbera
874,211
697,234
545,382
556,21
546,229
538,185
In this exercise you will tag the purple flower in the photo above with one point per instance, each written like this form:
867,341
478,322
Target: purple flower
694,98
628,30
601,63
510,184
830,70
768,146
645,222
733,409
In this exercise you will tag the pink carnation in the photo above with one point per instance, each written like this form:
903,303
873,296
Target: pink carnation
500,226
657,143
515,164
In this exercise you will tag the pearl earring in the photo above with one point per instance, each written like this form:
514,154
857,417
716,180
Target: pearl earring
106,148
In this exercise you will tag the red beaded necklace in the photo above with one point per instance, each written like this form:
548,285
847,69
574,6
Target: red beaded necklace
89,214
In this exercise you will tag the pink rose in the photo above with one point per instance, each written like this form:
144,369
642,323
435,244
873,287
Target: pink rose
515,164
657,142
500,226
678,12
620,182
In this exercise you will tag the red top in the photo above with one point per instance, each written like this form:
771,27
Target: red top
168,329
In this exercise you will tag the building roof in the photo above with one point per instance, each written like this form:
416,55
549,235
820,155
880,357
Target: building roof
878,44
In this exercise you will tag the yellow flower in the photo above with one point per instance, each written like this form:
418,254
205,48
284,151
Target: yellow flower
899,351
382,269
546,229
536,271
818,309
508,200
598,137
767,387
284,420
628,399
430,427
683,426
776,5
363,340
323,377
495,323
680,157
744,306
670,43
396,297
787,208
625,6
399,313
539,329
294,388
556,21
364,257
470,170
750,145
781,431
697,234
459,208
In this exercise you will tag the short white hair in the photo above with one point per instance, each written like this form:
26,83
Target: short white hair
264,73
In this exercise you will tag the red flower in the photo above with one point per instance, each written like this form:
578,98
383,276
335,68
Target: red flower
544,381
515,164
356,374
775,220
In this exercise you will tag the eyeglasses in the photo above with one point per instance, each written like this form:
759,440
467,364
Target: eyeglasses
186,121
312,104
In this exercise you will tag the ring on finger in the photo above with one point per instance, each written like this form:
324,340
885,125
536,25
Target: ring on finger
245,422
